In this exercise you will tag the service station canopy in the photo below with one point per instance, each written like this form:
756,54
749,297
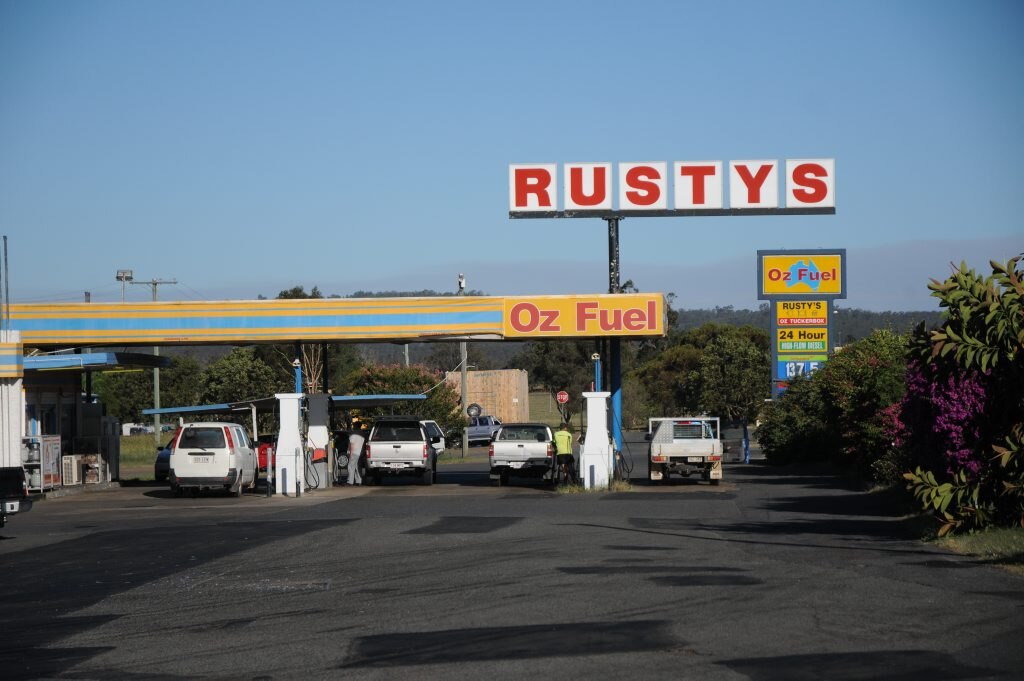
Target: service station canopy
340,320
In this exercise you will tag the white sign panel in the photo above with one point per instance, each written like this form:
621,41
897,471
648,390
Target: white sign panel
698,184
810,183
533,187
643,186
588,186
753,184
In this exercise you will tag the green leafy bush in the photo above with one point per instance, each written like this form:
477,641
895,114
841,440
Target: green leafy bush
793,426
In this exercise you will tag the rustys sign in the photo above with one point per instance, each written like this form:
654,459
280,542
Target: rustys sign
695,185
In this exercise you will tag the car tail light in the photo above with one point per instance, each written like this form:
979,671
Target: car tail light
369,451
227,433
424,452
490,451
551,450
714,458
658,459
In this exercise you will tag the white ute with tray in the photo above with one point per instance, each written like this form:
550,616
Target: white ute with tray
684,445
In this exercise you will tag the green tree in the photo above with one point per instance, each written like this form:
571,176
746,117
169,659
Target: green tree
125,393
446,356
735,376
181,383
441,405
858,385
793,426
671,380
559,365
238,376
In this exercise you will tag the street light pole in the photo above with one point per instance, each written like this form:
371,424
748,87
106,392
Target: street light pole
463,358
156,353
123,276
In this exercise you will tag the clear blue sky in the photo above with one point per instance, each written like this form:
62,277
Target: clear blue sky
247,147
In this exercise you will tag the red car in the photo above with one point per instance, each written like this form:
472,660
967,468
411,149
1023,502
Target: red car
266,443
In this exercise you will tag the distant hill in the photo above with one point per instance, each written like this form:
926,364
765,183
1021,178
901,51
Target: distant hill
851,323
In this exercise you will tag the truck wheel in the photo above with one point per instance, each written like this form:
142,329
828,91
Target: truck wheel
665,477
503,478
428,476
714,483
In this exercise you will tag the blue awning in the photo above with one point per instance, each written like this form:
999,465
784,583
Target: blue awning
94,361
269,403
363,401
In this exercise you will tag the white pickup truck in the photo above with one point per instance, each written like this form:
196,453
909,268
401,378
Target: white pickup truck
400,446
684,445
524,450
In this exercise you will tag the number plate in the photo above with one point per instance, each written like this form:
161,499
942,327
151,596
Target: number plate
202,459
11,506
695,459
396,465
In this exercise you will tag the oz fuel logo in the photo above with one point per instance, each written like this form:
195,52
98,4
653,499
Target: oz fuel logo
799,274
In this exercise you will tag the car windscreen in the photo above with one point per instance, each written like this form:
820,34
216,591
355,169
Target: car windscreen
524,433
399,432
202,438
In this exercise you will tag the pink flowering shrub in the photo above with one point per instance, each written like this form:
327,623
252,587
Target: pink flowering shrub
939,421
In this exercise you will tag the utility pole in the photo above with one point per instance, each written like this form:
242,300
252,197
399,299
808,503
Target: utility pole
463,355
156,353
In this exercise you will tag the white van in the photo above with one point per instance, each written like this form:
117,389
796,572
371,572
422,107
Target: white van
212,456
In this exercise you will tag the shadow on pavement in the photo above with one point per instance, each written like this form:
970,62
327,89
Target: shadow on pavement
892,665
69,579
510,643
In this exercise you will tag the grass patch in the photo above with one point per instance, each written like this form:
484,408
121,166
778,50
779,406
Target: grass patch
613,486
448,459
137,450
1002,547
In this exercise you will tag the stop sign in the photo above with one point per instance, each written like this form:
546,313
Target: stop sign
562,397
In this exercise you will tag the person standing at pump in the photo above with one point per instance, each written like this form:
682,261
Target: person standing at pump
563,447
356,440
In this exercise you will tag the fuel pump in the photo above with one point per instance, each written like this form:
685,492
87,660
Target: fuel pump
318,435
290,461
596,454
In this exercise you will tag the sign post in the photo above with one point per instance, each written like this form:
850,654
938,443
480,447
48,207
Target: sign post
800,286
563,398
697,189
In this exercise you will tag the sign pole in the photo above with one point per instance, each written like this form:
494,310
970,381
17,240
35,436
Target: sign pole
615,344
